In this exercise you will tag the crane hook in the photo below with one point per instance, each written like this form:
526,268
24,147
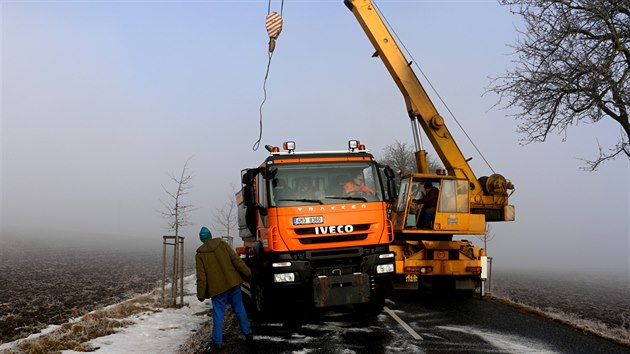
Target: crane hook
274,27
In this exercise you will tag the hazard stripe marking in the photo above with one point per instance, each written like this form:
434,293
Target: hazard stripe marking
273,24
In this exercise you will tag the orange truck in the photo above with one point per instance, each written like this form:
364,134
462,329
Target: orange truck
311,237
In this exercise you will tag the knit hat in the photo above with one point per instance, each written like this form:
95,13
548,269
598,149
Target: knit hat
205,234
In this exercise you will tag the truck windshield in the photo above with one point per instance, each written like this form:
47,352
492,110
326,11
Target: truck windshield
325,183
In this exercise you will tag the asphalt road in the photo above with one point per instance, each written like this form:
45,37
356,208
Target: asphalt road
420,324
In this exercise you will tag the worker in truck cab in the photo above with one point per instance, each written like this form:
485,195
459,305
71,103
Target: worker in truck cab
357,187
429,203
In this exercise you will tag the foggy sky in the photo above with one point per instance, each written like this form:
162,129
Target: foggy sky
102,101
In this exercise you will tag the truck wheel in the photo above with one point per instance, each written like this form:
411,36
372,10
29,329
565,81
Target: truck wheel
259,300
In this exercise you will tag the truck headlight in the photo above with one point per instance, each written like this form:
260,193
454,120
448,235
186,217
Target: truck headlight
284,277
385,268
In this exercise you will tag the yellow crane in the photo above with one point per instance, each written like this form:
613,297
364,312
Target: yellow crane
434,206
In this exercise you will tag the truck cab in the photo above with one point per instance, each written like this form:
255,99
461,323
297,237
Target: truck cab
315,229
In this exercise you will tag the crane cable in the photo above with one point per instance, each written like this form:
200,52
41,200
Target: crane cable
273,23
432,87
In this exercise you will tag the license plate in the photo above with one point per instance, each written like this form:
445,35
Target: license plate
411,278
306,220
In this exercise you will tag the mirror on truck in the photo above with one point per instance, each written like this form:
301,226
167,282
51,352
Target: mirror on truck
390,175
249,193
270,173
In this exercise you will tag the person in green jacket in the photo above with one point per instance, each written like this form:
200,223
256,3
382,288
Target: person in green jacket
220,271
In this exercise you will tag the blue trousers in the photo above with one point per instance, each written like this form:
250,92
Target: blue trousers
219,303
427,215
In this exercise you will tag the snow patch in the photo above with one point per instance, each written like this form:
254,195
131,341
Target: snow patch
503,342
160,332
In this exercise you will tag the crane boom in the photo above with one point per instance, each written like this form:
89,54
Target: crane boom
488,194
419,105
426,218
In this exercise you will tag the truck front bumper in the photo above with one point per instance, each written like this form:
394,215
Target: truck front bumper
341,289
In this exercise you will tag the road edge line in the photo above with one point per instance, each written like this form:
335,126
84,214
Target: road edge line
404,325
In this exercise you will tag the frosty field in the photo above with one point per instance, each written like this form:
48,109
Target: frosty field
43,284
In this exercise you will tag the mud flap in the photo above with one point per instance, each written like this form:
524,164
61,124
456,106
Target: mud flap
341,289
466,283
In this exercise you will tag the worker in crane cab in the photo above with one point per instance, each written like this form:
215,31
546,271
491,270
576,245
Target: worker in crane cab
429,203
357,187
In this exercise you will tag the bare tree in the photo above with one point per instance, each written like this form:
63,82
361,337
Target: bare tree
401,157
227,216
176,212
573,66
488,236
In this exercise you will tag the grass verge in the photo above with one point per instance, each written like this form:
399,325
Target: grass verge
198,341
75,334
616,335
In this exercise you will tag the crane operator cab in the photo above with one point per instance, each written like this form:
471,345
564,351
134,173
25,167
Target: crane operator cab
437,204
